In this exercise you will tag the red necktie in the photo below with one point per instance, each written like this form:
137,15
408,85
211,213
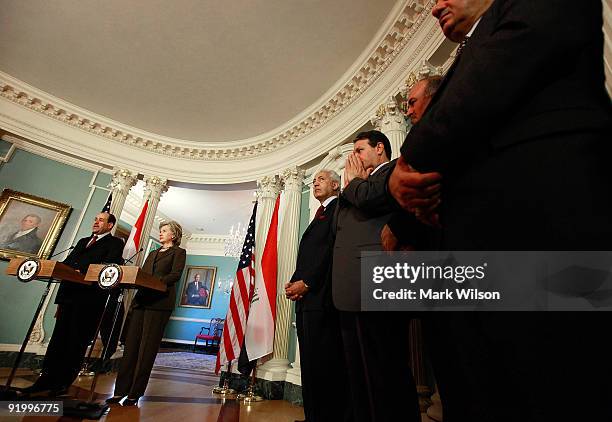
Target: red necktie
92,241
319,212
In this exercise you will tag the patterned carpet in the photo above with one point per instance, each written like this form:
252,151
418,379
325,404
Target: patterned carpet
186,360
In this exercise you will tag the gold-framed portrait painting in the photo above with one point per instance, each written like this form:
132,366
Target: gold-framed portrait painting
198,287
29,225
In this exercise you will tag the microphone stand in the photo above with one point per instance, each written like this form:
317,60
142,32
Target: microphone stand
85,370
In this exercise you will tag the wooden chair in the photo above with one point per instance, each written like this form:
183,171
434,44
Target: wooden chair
211,334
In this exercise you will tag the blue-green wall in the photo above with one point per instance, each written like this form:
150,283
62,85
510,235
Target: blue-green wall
186,330
4,147
30,173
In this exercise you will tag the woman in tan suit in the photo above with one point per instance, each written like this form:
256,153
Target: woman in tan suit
150,312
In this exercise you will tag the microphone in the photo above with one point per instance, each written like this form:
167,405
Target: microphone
134,256
56,254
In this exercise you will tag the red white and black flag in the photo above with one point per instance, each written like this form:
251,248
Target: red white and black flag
240,300
133,242
259,336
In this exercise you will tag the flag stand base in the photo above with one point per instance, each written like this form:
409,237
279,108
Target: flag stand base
250,396
225,390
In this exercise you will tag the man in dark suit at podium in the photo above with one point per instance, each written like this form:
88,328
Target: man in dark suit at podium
317,321
80,309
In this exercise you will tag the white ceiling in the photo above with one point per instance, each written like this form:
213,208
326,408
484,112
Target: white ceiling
209,210
188,69
197,70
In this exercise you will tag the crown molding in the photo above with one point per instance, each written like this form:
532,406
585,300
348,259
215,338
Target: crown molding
410,36
206,244
45,151
208,238
400,25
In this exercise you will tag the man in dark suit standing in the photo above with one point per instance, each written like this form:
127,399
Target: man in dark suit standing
80,308
404,231
26,238
374,342
520,122
317,321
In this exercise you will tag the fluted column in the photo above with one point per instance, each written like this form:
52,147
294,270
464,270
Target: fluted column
123,180
155,187
294,374
269,188
287,255
390,120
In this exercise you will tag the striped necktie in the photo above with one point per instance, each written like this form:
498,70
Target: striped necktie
92,241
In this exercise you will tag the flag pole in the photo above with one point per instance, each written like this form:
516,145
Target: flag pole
225,390
250,396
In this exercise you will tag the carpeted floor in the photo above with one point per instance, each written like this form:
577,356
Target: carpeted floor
186,360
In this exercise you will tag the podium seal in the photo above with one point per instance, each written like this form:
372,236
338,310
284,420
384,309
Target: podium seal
109,276
28,269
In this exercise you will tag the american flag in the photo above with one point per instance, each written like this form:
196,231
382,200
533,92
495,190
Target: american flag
109,201
240,299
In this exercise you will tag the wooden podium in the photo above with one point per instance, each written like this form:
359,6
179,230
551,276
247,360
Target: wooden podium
133,277
50,270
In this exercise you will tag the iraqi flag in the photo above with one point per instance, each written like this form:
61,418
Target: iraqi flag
133,242
259,337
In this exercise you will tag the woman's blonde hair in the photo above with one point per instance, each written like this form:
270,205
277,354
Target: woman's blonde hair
176,230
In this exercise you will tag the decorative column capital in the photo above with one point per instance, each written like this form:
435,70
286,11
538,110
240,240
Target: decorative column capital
122,180
425,71
389,116
269,187
155,186
334,153
293,179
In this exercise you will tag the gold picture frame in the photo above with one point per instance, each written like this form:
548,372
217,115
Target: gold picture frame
198,298
30,226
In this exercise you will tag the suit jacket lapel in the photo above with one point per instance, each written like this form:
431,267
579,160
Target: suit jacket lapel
98,242
325,213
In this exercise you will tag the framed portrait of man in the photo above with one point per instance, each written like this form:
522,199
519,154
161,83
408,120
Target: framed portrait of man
198,287
29,225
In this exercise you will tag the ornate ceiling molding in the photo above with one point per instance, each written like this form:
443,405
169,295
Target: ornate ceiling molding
208,238
204,244
398,30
